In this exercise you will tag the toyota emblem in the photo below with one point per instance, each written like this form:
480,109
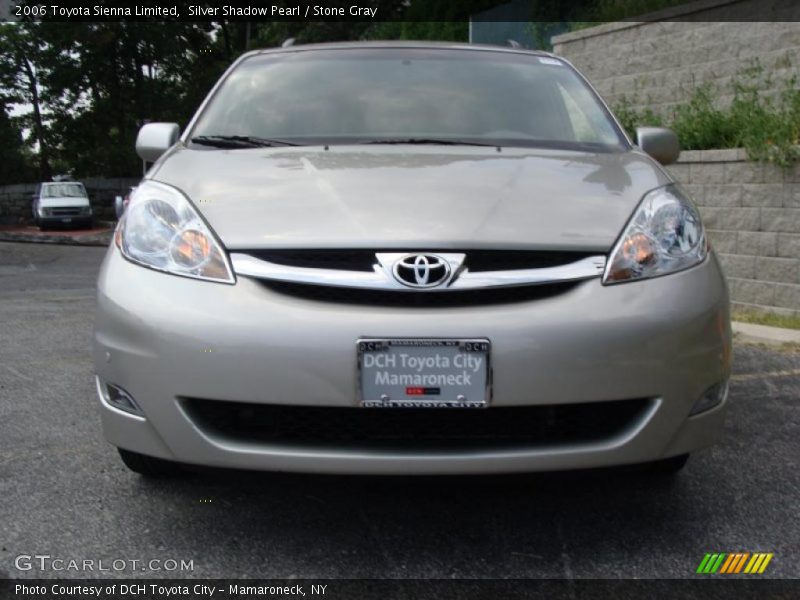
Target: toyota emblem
421,270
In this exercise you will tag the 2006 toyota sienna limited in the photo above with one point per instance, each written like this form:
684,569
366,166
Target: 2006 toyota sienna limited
406,258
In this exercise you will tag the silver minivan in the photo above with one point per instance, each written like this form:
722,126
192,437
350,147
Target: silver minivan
409,258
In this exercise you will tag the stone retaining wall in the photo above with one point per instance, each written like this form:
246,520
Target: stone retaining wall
752,213
658,63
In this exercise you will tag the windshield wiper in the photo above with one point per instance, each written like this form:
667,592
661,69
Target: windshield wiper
239,141
432,141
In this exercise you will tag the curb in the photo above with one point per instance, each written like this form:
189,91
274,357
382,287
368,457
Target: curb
92,239
763,334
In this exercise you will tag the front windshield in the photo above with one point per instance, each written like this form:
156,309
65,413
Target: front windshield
63,190
372,94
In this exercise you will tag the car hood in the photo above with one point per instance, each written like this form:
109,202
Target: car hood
412,197
62,202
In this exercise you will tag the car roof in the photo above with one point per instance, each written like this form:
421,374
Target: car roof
398,44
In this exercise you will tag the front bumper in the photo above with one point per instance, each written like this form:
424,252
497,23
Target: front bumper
67,222
165,338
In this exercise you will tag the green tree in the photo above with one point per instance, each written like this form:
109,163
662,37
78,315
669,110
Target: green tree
104,80
13,165
20,74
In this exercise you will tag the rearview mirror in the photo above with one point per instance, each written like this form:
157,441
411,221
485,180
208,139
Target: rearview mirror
156,138
119,206
659,142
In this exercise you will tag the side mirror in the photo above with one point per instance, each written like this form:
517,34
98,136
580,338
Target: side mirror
156,138
659,142
119,206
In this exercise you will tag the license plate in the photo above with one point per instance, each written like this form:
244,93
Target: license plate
66,220
424,373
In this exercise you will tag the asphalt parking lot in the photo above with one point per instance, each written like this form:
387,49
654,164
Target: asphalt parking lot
66,494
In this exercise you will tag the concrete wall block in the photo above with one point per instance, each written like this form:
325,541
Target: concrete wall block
744,172
757,243
696,193
773,173
741,267
742,219
768,309
782,270
787,296
669,60
725,155
788,245
752,292
727,195
681,77
789,37
715,52
791,195
723,241
625,85
763,194
689,156
711,216
792,174
680,172
781,220
706,173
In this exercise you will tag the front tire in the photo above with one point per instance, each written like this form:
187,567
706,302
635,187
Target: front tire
148,466
668,466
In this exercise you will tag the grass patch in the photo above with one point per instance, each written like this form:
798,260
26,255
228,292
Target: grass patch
765,318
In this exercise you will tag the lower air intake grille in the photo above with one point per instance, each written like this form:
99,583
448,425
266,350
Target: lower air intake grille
409,429
423,299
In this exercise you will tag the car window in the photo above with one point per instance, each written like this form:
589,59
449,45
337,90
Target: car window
351,95
61,190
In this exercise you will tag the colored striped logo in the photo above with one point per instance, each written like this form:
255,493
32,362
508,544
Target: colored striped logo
730,563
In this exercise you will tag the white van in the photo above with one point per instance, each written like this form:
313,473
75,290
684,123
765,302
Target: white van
61,203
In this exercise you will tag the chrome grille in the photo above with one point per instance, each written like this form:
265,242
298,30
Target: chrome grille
435,272
66,211
477,261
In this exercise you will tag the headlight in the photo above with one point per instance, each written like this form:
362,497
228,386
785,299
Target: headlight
160,229
44,212
665,235
86,211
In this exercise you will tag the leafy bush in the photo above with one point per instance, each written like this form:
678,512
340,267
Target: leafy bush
630,118
700,125
769,130
767,127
